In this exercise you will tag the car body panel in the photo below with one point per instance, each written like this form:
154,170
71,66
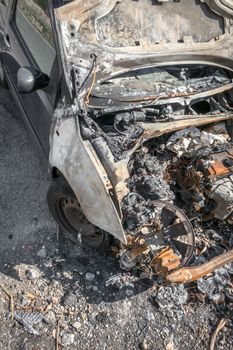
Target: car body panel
91,28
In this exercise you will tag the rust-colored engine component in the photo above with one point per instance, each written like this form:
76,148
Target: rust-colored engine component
191,274
177,230
169,239
221,164
165,261
140,247
136,247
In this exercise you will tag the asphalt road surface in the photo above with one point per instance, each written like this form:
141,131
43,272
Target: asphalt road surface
24,182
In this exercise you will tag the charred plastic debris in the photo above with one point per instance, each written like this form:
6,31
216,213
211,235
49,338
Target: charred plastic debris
160,137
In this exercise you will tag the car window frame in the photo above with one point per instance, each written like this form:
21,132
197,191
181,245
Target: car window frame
49,90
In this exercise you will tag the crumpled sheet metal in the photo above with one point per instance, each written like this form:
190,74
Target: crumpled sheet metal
191,274
152,130
79,164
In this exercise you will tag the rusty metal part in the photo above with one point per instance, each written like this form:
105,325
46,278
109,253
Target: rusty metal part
138,246
218,169
157,129
208,183
221,164
165,261
117,171
191,274
174,97
173,230
171,242
177,230
129,257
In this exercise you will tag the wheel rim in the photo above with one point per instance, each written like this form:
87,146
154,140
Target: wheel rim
74,221
177,230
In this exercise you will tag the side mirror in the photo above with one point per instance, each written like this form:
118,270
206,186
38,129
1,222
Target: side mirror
29,80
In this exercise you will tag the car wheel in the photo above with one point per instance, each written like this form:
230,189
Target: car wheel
67,212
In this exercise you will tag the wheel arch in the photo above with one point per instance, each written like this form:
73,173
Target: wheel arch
78,163
55,173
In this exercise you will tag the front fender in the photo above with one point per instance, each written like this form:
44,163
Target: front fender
77,161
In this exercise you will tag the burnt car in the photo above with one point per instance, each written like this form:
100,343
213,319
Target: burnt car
131,102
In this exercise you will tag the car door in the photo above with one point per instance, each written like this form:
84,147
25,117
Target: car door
3,12
31,44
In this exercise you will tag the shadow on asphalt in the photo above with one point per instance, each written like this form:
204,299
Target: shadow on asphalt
70,265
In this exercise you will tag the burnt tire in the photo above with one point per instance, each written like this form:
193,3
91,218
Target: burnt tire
68,214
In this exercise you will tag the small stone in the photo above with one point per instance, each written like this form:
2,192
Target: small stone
55,300
218,298
67,275
70,300
206,286
77,325
144,345
150,316
25,301
67,339
50,317
33,274
81,269
102,317
42,253
129,292
89,276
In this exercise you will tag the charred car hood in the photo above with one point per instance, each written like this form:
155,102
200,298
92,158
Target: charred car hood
104,41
